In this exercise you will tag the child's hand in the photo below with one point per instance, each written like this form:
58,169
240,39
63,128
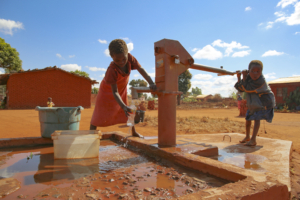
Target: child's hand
238,74
127,111
245,73
153,86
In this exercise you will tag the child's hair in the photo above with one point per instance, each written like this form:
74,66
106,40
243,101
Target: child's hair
117,46
256,62
49,98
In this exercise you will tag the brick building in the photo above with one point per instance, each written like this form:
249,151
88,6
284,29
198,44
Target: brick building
28,89
282,87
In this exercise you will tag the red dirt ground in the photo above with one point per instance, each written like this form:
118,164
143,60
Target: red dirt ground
285,126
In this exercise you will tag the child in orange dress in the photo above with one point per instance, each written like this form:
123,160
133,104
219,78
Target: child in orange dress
111,103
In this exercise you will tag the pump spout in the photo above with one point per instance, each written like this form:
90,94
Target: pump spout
136,90
211,69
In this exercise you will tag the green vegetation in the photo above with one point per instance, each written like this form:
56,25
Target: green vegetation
196,91
9,58
293,99
95,90
184,81
138,83
80,73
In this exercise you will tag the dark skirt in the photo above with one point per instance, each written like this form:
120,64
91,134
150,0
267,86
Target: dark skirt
262,114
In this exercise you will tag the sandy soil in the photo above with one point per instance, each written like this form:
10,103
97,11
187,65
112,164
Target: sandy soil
285,126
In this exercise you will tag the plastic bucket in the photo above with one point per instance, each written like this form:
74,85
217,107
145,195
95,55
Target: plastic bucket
58,118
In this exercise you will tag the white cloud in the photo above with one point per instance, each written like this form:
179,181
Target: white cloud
58,55
94,69
284,3
248,8
102,75
96,85
106,52
297,33
295,75
269,25
2,71
294,19
126,39
130,46
241,53
152,75
136,75
203,76
102,41
8,26
70,67
272,53
218,84
71,56
208,52
229,46
270,75
260,24
194,49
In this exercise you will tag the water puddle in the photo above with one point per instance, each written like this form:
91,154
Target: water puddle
243,160
117,173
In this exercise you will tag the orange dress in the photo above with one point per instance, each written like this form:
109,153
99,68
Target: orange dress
107,111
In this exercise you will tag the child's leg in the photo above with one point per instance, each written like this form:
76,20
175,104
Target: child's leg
247,138
92,127
136,134
252,142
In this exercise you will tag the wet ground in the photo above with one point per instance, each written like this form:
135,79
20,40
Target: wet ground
118,173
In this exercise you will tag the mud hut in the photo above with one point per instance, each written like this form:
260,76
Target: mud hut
28,89
283,87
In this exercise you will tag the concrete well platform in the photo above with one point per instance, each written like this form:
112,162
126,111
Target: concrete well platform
266,165
260,172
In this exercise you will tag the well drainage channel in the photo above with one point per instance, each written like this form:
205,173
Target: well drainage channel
118,173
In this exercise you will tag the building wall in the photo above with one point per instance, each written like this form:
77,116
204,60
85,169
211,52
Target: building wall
283,90
31,89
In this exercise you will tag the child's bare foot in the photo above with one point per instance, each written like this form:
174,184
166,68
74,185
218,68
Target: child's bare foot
136,134
250,143
246,139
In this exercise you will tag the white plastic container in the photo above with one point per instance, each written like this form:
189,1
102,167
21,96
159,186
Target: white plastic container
130,121
71,144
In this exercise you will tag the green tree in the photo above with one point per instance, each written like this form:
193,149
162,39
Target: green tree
184,83
9,57
81,73
138,83
95,90
233,93
196,91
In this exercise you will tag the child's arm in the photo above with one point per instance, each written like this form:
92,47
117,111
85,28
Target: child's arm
118,98
147,77
238,74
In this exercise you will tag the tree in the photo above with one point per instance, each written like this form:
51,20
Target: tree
233,93
184,83
138,83
95,90
196,91
80,73
9,57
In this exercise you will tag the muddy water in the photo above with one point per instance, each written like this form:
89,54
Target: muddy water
117,173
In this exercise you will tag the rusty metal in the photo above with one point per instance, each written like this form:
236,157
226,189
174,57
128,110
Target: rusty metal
171,60
211,69
228,136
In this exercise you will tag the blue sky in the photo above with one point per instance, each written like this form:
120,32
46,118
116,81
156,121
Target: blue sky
75,35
